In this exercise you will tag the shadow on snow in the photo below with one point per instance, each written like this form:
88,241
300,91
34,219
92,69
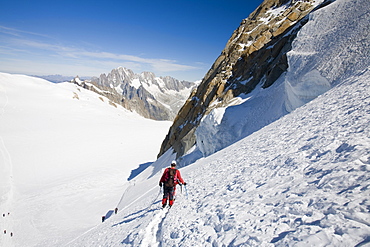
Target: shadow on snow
138,170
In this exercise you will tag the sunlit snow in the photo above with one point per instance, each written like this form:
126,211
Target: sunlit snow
66,154
68,158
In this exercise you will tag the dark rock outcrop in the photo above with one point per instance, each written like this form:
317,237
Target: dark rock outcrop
255,53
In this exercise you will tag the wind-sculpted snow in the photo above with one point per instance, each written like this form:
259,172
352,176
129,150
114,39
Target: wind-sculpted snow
225,126
334,44
300,181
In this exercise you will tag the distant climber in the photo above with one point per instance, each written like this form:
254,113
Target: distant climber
170,178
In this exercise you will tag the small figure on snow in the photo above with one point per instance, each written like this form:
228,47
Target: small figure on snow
170,178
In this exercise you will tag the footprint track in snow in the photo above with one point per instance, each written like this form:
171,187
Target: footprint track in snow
153,232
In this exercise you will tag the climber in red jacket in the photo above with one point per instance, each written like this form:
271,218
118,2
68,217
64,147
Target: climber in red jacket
170,178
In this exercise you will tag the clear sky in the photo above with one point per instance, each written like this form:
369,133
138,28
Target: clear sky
87,38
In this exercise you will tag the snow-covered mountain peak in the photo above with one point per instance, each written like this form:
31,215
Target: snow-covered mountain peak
153,97
148,76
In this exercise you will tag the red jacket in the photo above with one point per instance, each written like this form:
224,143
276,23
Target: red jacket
177,176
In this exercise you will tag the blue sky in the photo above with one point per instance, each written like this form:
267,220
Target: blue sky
86,38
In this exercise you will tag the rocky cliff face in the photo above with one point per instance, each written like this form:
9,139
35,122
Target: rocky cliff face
158,98
255,54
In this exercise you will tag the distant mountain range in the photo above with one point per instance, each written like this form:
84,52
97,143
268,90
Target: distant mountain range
158,98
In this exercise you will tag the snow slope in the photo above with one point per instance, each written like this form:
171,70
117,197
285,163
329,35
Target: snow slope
334,44
303,180
300,181
65,156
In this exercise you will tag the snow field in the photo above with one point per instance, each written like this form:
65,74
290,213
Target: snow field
66,154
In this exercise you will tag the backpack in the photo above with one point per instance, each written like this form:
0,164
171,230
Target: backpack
170,177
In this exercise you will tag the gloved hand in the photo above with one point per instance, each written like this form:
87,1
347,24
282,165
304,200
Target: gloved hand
160,184
184,183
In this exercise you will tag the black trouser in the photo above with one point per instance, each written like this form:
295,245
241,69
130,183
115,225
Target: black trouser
168,193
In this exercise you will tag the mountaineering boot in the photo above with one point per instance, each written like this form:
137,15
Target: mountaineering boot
164,202
171,202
